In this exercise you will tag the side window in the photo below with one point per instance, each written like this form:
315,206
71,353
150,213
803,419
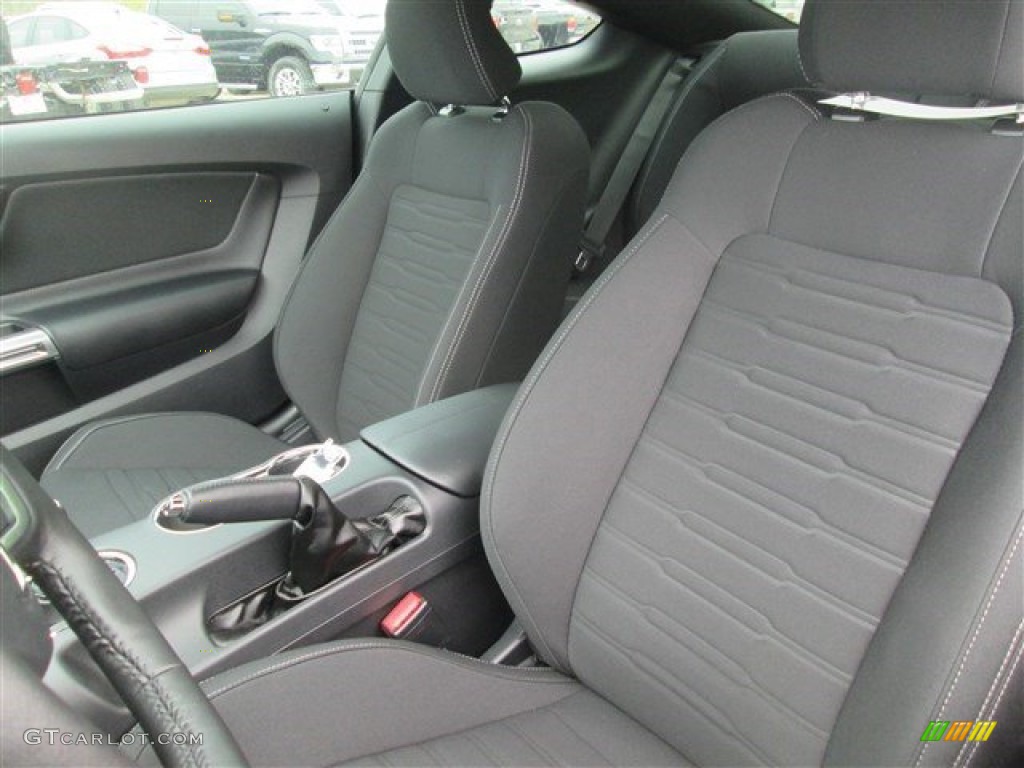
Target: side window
51,30
76,31
540,25
789,9
149,54
19,32
168,53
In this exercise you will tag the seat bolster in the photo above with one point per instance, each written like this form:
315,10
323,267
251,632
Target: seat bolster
512,299
948,642
362,697
110,473
328,291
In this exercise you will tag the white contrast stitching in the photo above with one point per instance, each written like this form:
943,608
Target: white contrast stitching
460,10
800,61
974,639
999,700
61,458
517,200
467,661
992,688
815,113
520,402
1002,667
451,315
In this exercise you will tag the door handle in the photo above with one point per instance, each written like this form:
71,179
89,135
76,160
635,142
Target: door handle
24,349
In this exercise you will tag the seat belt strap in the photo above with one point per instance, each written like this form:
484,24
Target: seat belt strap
610,203
878,105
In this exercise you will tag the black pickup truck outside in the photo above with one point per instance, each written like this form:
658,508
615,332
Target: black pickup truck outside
288,47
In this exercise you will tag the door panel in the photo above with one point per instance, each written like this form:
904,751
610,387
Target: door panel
56,231
156,250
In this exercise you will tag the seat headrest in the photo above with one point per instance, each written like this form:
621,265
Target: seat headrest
935,47
450,51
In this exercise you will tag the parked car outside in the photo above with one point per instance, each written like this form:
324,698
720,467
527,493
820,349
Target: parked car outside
56,90
536,25
288,47
517,24
364,25
171,66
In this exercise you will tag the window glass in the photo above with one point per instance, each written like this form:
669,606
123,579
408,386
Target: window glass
76,31
147,54
143,54
790,9
19,32
51,29
539,25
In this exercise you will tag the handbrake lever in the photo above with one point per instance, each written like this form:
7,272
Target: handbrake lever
325,543
230,500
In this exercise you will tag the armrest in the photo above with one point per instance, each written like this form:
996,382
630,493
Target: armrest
446,443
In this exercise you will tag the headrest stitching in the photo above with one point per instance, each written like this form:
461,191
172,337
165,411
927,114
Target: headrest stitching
807,107
800,61
460,10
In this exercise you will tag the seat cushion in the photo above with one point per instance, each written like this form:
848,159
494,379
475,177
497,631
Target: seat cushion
394,703
111,473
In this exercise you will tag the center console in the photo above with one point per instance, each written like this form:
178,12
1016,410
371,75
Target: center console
214,589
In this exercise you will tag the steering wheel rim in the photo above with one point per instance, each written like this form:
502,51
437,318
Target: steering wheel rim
127,646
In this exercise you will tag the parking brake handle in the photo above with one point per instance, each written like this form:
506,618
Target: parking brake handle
325,543
242,501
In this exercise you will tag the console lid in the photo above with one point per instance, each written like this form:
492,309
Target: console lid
446,443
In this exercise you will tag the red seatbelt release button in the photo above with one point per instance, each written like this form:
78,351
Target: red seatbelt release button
406,617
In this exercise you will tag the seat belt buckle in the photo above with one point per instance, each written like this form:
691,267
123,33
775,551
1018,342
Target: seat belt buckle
589,251
408,618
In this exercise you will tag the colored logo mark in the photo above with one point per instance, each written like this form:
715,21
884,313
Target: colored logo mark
958,730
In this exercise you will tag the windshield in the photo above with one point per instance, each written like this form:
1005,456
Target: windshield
283,7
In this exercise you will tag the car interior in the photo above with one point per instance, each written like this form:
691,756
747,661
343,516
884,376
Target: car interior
653,399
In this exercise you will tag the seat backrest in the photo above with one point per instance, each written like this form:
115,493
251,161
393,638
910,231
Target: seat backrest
744,67
763,489
445,267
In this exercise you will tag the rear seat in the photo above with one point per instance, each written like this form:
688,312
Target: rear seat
746,66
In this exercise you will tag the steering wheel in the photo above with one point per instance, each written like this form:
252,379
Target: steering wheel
127,646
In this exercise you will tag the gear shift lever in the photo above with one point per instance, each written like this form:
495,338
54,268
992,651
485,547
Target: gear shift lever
325,543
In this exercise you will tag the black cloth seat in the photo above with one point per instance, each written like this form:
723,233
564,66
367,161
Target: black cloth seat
444,269
759,501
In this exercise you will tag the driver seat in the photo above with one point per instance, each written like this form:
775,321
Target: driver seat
759,502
